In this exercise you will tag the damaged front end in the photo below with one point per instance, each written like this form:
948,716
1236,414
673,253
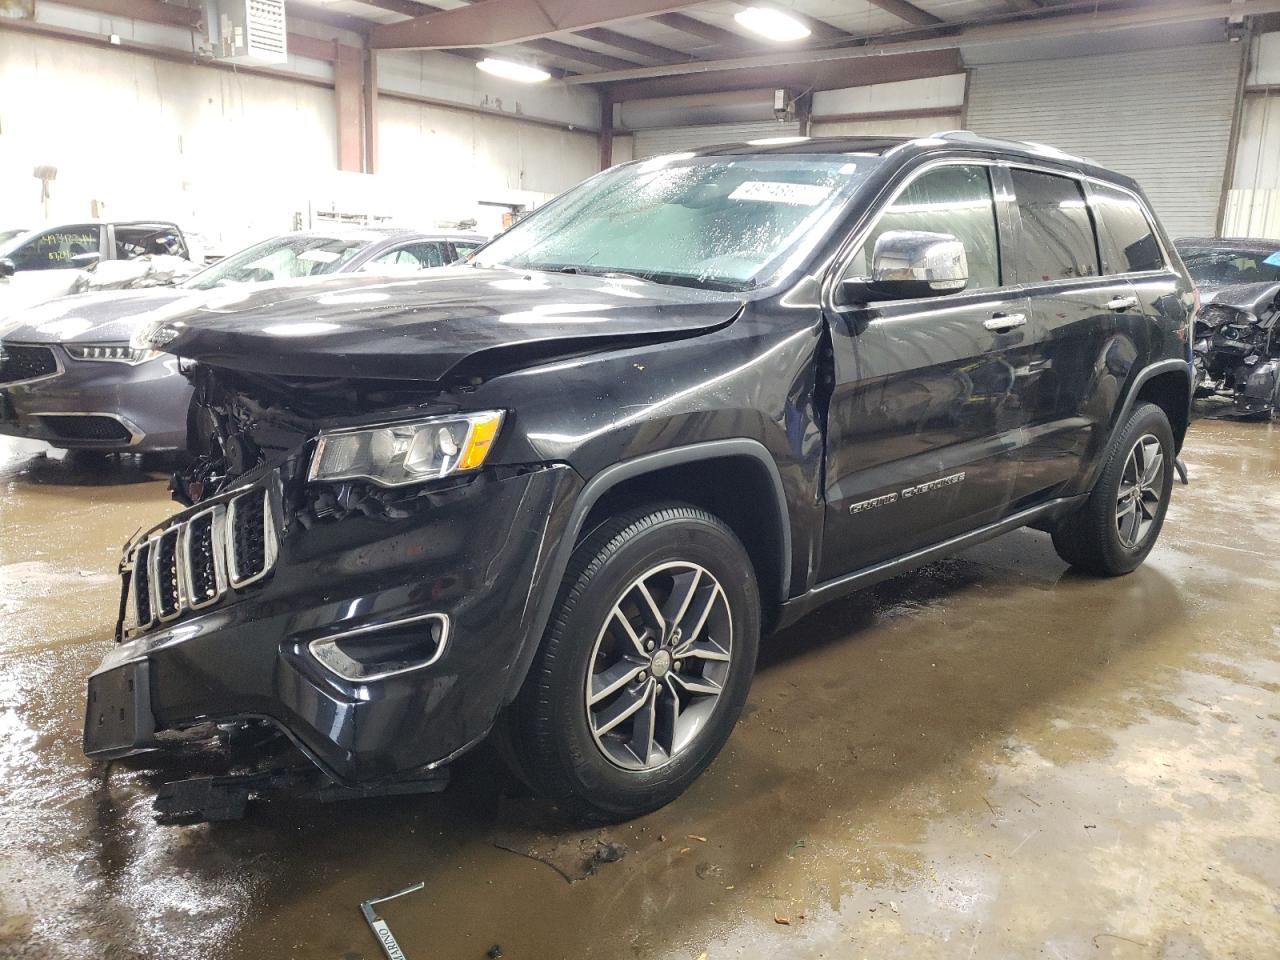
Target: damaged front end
332,579
1237,352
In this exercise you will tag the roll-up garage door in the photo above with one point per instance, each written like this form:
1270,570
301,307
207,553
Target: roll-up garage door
650,143
1161,116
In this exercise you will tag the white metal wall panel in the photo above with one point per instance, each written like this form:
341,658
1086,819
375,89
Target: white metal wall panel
651,143
905,127
1161,116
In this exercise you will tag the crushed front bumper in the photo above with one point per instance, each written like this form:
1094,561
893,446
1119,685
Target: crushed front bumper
477,554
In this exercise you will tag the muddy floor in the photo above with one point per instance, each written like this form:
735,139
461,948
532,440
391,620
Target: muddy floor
991,757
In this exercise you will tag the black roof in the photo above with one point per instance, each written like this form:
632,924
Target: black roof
907,148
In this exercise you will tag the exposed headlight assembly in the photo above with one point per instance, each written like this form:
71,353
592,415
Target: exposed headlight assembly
109,352
411,451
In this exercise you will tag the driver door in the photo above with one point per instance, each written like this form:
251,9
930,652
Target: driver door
927,411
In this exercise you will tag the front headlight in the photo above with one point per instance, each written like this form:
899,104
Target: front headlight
109,352
397,454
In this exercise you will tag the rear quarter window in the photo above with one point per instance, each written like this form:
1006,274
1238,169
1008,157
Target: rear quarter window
1133,245
1058,241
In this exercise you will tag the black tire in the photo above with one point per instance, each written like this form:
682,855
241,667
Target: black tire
547,735
1091,537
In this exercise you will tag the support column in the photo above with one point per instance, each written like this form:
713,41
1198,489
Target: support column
606,128
370,113
348,84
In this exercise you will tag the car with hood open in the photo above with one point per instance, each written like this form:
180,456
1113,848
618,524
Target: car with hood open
556,494
70,375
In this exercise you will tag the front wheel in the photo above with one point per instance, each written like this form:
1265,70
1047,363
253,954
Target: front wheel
644,668
1118,525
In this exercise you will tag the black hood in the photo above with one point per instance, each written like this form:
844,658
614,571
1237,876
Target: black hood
426,327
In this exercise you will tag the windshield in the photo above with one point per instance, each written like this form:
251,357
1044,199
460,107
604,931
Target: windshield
281,258
5,236
721,222
1218,268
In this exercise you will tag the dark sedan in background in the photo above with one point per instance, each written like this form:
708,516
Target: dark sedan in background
69,375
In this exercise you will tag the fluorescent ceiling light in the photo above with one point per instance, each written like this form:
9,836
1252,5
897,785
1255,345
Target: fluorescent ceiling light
508,70
772,24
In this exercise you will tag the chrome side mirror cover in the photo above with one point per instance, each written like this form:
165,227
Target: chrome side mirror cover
909,264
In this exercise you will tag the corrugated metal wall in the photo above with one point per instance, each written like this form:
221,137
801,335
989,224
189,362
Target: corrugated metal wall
1162,116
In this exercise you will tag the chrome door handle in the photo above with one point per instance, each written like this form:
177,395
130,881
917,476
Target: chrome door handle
1005,321
1121,303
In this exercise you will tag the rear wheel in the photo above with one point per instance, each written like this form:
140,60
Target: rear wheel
644,667
1119,524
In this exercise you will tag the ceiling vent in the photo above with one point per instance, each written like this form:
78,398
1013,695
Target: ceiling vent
251,32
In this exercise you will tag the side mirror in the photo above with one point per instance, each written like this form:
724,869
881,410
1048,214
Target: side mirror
909,264
7,268
82,261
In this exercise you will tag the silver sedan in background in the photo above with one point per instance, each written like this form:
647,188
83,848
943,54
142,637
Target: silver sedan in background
69,376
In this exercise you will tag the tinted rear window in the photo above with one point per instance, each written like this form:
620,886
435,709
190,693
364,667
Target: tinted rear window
1057,232
1135,244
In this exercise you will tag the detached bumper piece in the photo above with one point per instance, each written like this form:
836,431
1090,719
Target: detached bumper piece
218,799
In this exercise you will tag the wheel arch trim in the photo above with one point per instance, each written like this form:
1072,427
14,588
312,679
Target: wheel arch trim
609,478
1147,373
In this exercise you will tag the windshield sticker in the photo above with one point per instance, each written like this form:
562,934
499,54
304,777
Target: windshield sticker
1273,260
768,191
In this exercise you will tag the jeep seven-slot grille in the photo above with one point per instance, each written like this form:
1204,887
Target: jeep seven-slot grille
168,593
248,537
142,584
191,564
25,363
202,558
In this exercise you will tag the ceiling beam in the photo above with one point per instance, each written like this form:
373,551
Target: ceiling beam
343,21
153,11
1001,30
820,76
409,8
1024,6
703,31
907,11
612,38
819,30
497,22
566,51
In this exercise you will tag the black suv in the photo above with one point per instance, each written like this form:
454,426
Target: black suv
559,492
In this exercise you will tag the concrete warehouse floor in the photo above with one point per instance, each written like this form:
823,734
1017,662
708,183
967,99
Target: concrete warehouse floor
991,757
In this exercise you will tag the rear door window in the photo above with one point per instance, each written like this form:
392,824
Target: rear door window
1058,241
956,200
57,249
1133,244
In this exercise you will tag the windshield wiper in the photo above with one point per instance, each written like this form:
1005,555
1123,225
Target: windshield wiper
651,276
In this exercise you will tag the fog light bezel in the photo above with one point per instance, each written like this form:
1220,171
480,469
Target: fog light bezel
326,651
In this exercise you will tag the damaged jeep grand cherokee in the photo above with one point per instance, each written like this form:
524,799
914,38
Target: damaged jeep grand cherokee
557,494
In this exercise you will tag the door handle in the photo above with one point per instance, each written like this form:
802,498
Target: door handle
1001,322
1120,304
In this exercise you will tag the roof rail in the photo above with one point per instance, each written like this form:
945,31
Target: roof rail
1029,145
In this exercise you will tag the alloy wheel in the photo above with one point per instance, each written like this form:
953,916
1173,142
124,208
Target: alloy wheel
1141,491
659,665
